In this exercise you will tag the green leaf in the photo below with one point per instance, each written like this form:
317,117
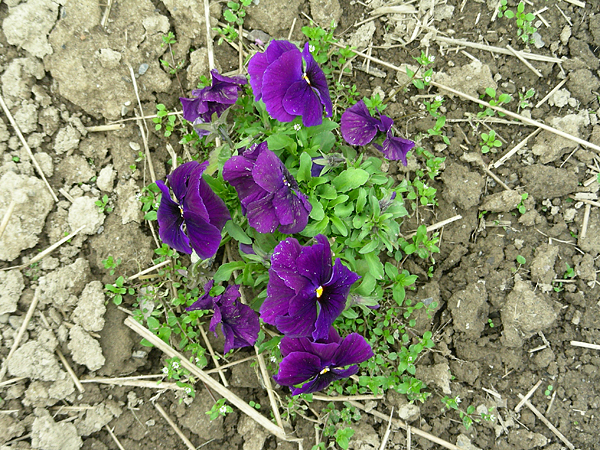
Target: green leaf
339,225
343,210
305,166
362,199
328,192
229,16
150,216
236,232
315,228
491,91
279,140
370,246
350,178
225,270
391,270
317,212
375,266
367,285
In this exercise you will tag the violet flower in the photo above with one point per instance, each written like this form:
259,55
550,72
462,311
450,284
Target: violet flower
269,195
239,323
358,127
319,363
306,292
290,83
212,99
195,220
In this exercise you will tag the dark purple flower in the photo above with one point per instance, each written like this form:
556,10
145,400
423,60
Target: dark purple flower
212,99
359,128
357,125
290,83
239,322
306,292
195,220
319,363
269,195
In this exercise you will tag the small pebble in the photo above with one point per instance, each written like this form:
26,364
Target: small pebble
143,68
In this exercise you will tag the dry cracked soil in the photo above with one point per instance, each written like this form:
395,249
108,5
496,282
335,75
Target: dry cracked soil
67,69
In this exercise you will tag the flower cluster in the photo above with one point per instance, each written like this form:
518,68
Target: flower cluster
195,220
358,127
269,195
305,294
290,83
214,99
239,323
321,362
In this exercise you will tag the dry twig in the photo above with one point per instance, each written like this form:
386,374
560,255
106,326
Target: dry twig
6,217
173,425
547,422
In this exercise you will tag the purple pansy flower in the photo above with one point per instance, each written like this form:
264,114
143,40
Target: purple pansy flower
358,127
239,322
319,363
290,83
306,292
195,220
212,99
269,195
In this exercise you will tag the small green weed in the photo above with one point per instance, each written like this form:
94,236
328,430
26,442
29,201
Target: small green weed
493,101
103,204
489,142
525,29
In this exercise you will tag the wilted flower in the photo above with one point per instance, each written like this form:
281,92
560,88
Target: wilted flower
306,292
358,127
195,220
212,99
319,363
239,322
269,195
290,83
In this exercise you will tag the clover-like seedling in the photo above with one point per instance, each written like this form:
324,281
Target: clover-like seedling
489,142
523,103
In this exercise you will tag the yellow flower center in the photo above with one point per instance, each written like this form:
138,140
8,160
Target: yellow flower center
319,291
324,371
305,78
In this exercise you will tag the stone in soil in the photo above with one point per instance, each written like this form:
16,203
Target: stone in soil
90,309
470,79
49,435
504,201
254,434
106,178
62,286
11,286
195,419
550,146
85,213
591,242
33,361
40,16
524,314
19,77
461,186
85,350
10,428
470,309
97,417
542,266
128,205
76,64
325,11
33,202
548,182
272,16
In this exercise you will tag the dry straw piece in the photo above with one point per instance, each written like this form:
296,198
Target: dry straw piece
210,382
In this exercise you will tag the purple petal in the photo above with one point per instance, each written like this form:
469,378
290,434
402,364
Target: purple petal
277,79
316,169
278,300
170,222
354,349
182,176
296,368
289,345
278,48
302,324
240,325
396,148
314,262
357,125
204,302
224,90
318,384
386,123
261,214
217,211
317,79
238,172
301,100
256,69
267,172
192,108
232,293
204,237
